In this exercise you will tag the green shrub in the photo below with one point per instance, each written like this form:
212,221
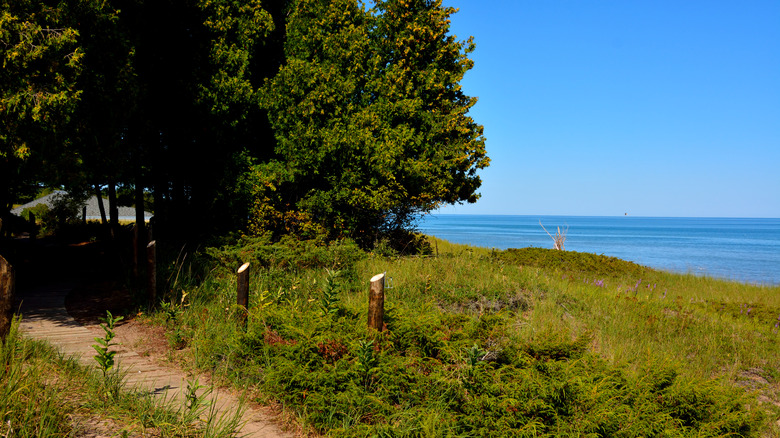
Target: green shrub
288,253
573,262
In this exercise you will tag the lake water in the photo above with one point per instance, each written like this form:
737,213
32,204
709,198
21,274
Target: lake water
741,249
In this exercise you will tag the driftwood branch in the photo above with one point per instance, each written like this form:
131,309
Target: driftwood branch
559,238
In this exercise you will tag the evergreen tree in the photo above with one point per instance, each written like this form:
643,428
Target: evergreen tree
372,127
42,61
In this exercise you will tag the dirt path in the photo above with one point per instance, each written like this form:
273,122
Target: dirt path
45,317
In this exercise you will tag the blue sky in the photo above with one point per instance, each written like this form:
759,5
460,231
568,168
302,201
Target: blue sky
651,108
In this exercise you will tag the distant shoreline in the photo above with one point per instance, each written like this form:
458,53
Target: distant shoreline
597,217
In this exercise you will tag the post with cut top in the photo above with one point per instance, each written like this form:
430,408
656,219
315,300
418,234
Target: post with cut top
376,302
243,292
151,271
6,297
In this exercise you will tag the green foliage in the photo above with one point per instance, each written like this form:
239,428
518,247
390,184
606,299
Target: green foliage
474,355
237,27
573,262
330,295
369,118
195,403
288,253
457,359
105,357
42,213
41,63
366,364
28,406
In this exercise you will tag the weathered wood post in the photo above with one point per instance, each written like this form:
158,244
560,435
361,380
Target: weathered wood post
243,292
6,297
151,271
376,302
34,231
135,254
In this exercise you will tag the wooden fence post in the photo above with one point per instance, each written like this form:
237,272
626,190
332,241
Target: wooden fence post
243,292
6,297
376,302
135,255
151,270
34,231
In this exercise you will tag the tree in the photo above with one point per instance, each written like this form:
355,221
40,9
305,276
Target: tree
200,64
371,123
109,93
42,61
65,80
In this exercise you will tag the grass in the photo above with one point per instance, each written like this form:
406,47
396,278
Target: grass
480,342
44,394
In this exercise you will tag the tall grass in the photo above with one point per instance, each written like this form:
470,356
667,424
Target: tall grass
490,343
28,406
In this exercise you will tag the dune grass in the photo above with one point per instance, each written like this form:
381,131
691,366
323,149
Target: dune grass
481,342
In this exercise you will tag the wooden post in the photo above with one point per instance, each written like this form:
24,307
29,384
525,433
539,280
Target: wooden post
6,297
151,270
376,302
243,292
135,255
34,231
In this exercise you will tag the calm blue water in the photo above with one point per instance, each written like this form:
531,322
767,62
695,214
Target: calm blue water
746,250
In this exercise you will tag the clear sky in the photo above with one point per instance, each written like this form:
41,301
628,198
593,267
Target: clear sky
651,108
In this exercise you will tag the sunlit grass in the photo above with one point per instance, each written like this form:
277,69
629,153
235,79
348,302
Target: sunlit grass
589,318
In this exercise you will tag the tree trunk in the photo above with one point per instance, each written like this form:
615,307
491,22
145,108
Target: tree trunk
140,221
151,272
113,209
100,204
6,297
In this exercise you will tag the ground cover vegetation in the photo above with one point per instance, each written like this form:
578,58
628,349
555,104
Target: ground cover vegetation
478,342
307,116
43,394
